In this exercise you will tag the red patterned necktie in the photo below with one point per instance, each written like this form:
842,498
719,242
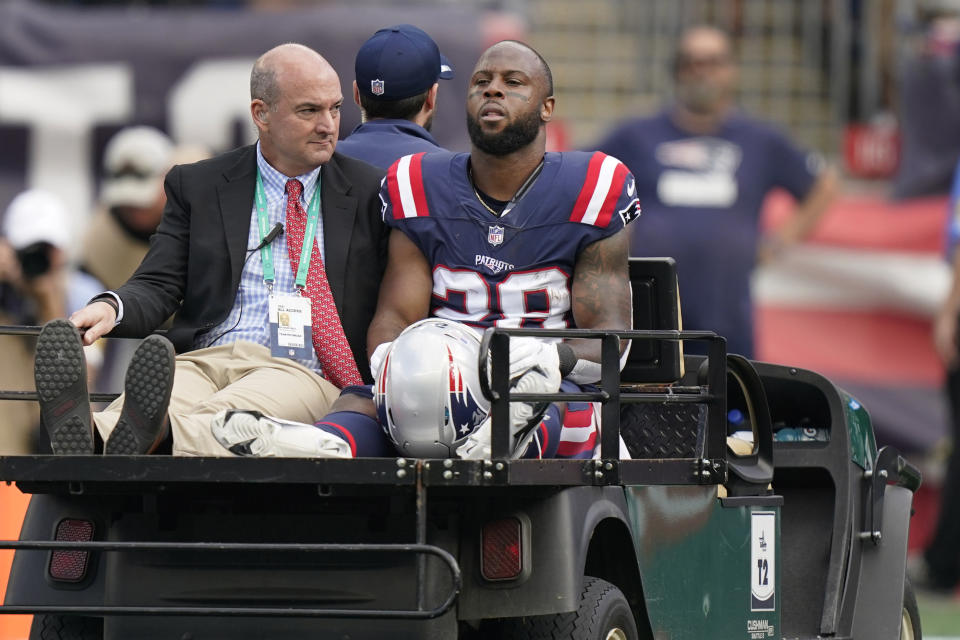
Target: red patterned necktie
329,341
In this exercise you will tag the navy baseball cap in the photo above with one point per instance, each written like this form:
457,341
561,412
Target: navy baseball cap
399,62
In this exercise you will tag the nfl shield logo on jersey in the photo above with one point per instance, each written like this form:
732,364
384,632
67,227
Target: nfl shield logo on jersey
495,235
376,87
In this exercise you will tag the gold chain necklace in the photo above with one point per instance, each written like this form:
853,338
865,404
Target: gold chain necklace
482,201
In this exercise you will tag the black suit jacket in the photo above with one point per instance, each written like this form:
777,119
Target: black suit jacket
195,259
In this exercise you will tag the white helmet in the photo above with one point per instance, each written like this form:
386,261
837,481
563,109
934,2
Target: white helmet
428,392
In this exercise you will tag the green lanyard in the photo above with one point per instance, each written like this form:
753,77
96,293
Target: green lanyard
266,252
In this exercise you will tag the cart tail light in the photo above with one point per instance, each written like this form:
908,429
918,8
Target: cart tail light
71,565
501,549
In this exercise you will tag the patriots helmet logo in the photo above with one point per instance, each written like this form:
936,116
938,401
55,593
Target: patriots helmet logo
495,235
376,87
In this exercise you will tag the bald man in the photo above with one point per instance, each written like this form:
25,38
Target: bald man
703,170
284,226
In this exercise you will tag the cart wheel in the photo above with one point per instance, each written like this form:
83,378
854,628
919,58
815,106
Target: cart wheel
602,614
54,627
910,618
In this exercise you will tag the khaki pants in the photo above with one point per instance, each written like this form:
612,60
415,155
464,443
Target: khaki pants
242,375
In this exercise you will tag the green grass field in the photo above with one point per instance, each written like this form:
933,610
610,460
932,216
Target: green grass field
939,615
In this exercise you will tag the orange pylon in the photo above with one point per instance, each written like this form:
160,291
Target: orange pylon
13,505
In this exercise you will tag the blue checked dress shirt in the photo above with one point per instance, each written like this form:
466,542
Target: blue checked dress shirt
248,318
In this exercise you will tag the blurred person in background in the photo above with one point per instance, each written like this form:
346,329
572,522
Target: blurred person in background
938,568
929,103
37,284
396,89
703,169
135,161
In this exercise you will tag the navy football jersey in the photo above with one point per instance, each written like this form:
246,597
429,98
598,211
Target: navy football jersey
514,270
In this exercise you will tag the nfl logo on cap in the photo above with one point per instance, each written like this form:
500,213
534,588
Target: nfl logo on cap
495,235
376,87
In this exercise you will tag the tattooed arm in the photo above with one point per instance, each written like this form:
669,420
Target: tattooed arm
601,292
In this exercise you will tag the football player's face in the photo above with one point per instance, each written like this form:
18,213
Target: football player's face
506,98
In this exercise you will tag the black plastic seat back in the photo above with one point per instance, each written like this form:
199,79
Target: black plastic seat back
657,430
656,306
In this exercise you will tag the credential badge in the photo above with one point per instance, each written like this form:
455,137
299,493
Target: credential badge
495,235
376,87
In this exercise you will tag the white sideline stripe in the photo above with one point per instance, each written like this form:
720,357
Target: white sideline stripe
604,180
861,279
406,191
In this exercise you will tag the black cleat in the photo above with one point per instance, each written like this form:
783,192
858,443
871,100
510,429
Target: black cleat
60,374
143,424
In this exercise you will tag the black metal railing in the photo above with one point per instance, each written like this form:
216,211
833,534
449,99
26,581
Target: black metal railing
495,385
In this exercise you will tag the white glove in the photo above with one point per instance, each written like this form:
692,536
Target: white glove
377,357
477,445
527,353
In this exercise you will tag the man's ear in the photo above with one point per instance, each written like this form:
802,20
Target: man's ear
546,109
356,94
259,110
430,103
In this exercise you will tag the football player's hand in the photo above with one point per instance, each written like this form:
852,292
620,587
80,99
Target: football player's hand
527,353
524,417
377,357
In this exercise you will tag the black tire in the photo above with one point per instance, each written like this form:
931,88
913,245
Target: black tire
602,614
54,627
910,621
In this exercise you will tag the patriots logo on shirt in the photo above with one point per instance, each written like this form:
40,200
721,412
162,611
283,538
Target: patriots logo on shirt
376,87
630,212
495,235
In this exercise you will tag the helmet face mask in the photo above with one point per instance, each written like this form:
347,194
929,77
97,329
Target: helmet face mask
428,392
